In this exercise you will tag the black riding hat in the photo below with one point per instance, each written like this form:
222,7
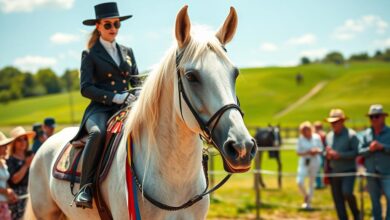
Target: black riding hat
106,10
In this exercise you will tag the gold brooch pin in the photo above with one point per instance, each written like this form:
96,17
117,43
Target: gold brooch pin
128,60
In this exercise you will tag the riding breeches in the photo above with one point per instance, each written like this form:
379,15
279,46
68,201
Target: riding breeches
96,128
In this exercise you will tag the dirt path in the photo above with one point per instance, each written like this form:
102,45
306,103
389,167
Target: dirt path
303,99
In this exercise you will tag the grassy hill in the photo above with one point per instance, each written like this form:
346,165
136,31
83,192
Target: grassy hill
263,93
266,91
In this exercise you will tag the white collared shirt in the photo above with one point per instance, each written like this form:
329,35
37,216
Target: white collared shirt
111,49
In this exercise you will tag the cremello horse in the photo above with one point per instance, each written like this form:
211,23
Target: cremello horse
165,131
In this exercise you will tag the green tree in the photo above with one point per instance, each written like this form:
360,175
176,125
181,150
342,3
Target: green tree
378,55
334,57
305,60
70,80
386,55
49,80
359,57
11,81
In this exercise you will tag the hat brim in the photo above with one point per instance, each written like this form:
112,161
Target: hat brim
383,113
334,119
6,142
29,134
92,22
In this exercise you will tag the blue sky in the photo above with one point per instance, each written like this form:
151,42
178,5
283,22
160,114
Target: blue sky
49,33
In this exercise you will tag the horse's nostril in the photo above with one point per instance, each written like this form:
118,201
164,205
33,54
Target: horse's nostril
230,149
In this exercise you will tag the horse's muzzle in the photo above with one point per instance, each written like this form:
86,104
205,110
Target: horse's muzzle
237,156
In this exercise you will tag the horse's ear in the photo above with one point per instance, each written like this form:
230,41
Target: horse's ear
228,29
183,27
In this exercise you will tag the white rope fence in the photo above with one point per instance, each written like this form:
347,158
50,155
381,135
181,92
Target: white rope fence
292,174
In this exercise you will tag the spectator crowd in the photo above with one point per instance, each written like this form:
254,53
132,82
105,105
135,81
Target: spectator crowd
339,153
15,160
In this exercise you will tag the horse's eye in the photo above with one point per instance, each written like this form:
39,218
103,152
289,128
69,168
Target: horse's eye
191,77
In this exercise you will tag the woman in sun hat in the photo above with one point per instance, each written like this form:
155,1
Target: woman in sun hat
105,74
18,163
7,195
309,148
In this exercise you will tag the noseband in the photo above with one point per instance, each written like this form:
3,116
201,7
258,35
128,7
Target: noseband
207,132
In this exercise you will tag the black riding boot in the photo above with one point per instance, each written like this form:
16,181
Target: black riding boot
92,153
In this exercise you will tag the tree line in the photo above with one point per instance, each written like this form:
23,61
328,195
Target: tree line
15,84
338,58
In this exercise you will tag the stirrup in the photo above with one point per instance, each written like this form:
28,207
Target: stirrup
81,190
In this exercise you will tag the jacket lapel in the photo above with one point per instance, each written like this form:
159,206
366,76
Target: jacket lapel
103,54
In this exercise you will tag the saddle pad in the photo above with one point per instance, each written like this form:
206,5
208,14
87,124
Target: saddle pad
67,165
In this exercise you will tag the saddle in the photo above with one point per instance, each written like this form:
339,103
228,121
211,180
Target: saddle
68,167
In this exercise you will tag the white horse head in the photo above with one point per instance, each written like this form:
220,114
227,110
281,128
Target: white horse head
208,79
191,93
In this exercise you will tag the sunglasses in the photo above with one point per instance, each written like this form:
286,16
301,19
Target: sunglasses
108,25
375,116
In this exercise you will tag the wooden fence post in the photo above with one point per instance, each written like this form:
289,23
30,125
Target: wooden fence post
257,185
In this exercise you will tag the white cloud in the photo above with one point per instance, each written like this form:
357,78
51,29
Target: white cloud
353,27
314,54
33,63
9,6
382,43
63,38
70,54
305,39
268,47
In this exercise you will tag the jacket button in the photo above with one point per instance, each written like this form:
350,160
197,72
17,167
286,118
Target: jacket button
124,81
109,74
112,82
115,91
104,96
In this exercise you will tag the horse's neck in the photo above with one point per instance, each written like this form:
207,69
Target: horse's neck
173,164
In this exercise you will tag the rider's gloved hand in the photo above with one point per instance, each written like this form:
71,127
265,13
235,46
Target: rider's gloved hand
130,99
120,98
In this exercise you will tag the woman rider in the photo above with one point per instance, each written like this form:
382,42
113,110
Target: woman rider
105,74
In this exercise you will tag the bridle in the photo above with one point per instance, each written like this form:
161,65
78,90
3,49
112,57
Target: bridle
206,136
204,126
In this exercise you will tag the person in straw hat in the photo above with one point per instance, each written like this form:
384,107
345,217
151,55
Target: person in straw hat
376,152
7,195
18,163
309,148
341,151
105,74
